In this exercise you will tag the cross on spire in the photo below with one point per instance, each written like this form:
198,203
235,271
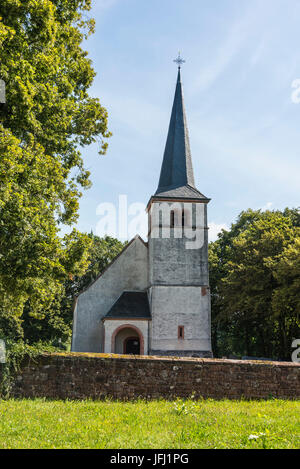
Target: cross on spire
177,168
179,60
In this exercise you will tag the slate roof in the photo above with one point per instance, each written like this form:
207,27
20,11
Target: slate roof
177,175
183,192
131,304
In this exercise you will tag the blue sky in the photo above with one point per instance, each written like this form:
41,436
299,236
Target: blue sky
241,60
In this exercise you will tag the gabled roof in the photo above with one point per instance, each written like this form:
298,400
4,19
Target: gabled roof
131,304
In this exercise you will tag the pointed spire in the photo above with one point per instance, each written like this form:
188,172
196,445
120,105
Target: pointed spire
177,168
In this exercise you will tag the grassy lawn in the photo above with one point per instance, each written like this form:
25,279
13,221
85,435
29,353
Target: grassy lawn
158,424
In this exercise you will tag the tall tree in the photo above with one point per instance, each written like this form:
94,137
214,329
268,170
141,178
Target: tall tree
56,323
48,117
247,265
286,297
48,76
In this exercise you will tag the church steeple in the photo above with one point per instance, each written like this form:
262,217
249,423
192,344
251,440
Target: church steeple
177,168
177,175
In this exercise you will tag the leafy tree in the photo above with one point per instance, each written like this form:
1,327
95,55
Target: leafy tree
225,338
286,298
57,322
47,76
48,116
247,265
33,258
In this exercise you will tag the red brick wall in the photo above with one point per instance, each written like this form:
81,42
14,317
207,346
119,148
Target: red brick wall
80,376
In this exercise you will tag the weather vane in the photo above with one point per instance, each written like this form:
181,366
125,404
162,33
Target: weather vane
179,61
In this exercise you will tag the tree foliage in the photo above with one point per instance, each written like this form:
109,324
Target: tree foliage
47,76
47,119
57,322
255,275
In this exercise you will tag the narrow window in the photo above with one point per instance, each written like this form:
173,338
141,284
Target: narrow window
172,219
183,218
160,220
180,332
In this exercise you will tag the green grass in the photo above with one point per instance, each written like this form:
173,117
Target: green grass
158,424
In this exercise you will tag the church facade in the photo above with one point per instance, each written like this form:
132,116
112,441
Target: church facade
154,298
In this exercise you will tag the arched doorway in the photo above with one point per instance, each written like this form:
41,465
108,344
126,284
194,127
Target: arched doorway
127,339
132,346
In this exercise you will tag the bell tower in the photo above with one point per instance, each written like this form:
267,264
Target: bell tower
179,291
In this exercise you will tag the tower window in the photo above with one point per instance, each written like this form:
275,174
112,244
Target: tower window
183,218
180,332
172,219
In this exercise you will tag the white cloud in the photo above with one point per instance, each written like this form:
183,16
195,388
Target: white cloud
268,206
296,94
215,229
228,49
253,24
256,158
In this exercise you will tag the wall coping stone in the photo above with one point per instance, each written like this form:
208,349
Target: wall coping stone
216,361
75,375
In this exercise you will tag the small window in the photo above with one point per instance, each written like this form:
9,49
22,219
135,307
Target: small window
183,218
172,219
160,220
180,332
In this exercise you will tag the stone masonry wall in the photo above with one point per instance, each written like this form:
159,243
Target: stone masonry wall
97,376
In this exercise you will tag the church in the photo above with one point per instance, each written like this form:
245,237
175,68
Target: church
154,297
